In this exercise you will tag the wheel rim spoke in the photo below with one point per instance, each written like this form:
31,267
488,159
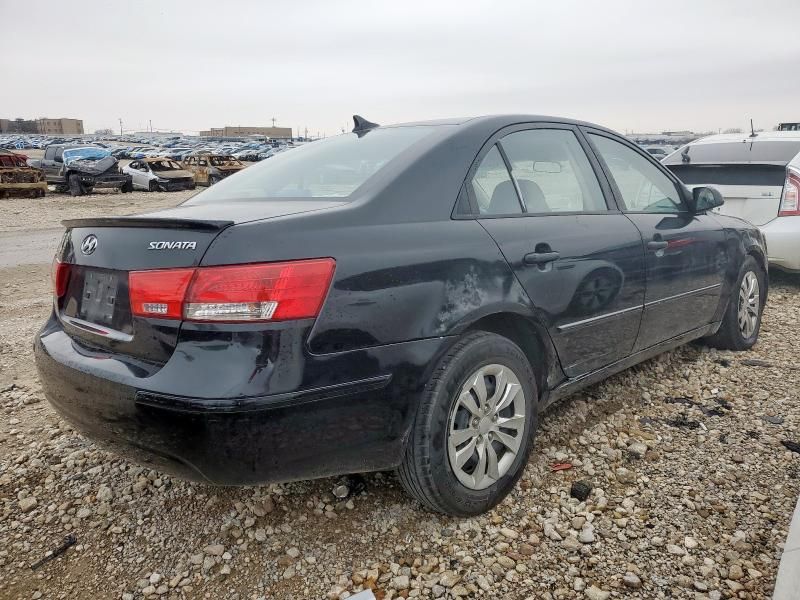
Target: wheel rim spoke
492,468
460,436
468,402
510,442
508,395
480,470
516,422
463,455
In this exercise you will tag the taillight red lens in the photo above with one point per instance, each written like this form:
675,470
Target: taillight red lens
159,293
236,293
59,274
790,201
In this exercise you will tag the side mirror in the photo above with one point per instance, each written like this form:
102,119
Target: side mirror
706,198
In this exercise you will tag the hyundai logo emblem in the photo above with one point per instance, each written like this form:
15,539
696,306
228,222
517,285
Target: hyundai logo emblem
89,244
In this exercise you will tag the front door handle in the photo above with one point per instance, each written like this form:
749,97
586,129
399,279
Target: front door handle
657,245
540,258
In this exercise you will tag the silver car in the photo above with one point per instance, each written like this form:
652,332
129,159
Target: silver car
159,175
759,176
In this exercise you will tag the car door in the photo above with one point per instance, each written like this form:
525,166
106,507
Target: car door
685,252
48,163
581,262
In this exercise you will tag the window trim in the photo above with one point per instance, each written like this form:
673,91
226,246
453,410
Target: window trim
606,190
620,201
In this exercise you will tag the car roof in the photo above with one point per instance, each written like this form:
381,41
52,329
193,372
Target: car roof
761,136
502,120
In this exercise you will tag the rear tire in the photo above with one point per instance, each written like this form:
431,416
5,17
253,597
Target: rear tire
75,185
742,319
459,458
212,179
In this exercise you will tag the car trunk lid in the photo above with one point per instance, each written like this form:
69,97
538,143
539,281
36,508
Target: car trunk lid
751,191
95,307
101,253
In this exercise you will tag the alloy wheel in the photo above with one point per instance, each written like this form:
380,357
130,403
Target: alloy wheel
749,301
486,426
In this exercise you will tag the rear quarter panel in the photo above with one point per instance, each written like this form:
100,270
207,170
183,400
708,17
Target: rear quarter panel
393,282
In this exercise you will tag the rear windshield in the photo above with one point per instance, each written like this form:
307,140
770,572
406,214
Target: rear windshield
331,168
746,151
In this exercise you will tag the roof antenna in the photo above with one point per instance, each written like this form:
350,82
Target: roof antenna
362,126
752,131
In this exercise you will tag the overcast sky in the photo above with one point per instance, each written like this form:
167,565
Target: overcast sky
630,65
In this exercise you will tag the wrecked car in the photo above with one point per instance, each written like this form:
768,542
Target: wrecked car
18,179
80,169
159,175
208,169
384,299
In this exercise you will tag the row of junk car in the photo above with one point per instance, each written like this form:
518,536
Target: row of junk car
79,167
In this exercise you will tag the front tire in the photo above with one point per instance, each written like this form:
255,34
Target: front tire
75,185
474,427
742,319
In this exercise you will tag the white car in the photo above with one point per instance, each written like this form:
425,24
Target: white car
158,175
759,177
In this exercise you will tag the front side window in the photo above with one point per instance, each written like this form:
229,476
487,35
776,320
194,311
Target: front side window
553,172
492,186
644,188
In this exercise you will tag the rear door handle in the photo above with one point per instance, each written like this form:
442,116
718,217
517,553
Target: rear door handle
540,258
657,245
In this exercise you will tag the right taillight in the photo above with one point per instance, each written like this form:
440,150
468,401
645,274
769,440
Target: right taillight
233,293
790,201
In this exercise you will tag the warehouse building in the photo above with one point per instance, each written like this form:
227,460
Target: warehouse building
60,126
279,133
43,125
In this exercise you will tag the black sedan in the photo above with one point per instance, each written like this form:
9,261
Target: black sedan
401,297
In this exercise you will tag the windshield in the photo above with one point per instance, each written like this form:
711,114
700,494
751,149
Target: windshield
331,168
224,161
71,154
164,165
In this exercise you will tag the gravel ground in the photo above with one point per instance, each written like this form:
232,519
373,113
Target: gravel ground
692,495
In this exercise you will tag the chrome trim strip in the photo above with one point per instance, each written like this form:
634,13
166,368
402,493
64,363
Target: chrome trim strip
597,318
97,329
682,294
632,308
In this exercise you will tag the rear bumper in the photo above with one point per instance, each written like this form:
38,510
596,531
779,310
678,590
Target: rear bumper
783,242
355,420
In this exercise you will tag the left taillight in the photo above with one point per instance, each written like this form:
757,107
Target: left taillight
235,293
790,200
59,275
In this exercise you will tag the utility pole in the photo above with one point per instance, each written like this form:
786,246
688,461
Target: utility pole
151,125
120,126
273,122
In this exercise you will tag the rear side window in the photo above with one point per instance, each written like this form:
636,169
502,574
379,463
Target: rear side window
643,186
492,186
331,168
553,172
